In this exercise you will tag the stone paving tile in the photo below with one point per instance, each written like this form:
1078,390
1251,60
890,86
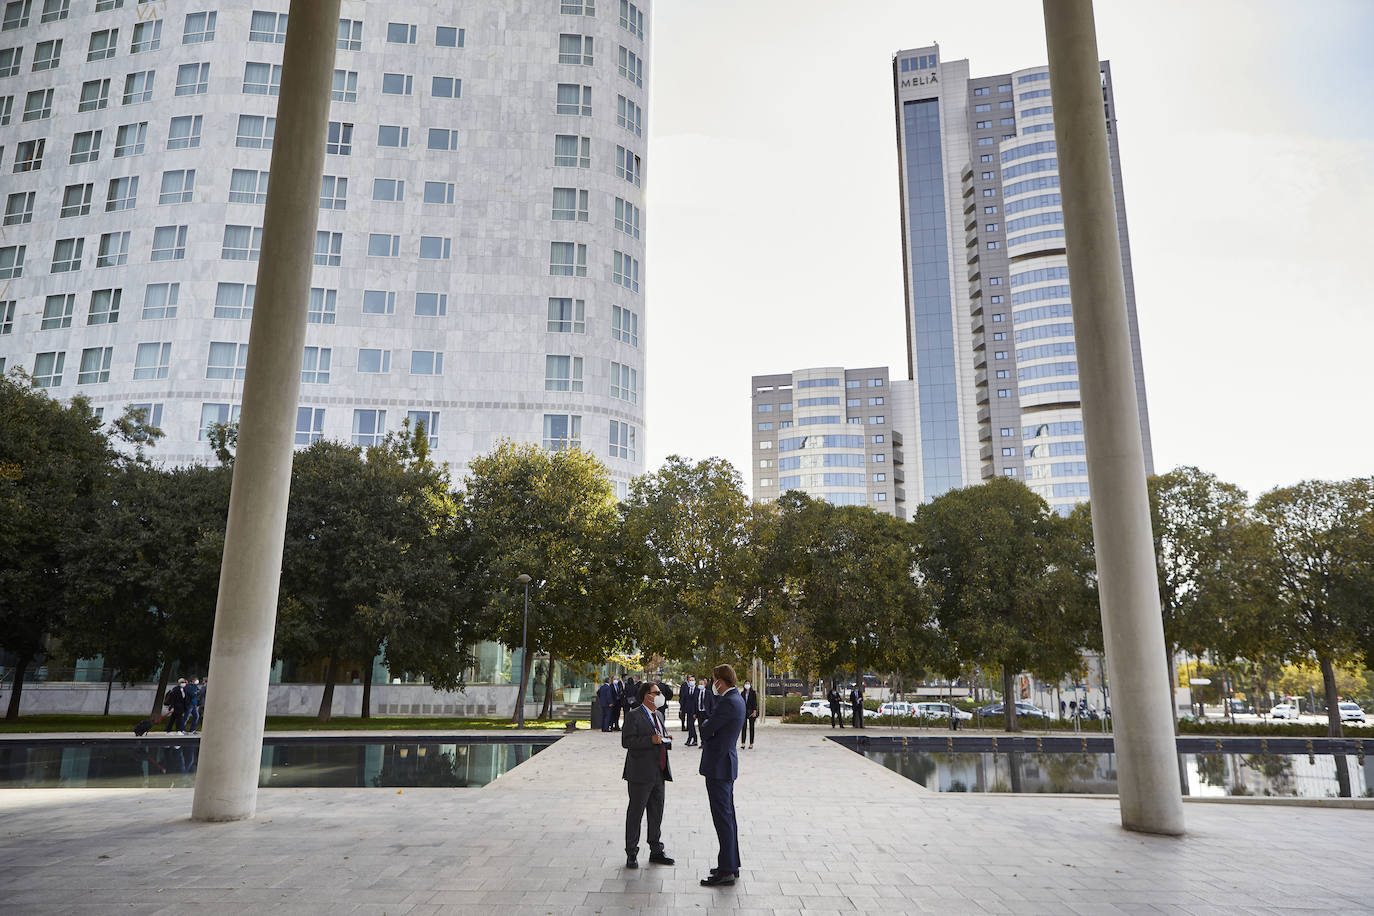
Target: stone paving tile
822,830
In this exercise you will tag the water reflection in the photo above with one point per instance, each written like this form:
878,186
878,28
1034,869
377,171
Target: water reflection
129,765
1283,775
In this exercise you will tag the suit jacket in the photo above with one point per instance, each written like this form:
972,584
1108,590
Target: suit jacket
751,703
605,695
856,698
719,735
641,757
682,697
706,701
833,698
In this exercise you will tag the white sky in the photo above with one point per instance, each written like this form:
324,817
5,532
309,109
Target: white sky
1247,145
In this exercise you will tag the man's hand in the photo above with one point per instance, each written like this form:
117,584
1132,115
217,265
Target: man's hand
656,739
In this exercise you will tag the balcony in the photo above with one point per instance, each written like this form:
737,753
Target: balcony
977,323
985,432
897,457
980,359
978,342
980,378
984,413
985,453
982,394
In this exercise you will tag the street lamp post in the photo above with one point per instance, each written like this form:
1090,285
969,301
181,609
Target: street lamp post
524,654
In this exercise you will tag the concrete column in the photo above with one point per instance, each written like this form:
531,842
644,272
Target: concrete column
1142,708
245,618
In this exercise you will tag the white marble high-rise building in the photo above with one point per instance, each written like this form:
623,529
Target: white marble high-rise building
480,254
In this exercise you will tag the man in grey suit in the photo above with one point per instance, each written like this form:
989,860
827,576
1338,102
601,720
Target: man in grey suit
646,742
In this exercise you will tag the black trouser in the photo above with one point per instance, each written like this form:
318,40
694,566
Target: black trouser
692,728
835,717
176,719
644,796
748,726
858,715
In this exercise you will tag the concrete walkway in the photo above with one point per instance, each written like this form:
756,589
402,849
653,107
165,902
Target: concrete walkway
823,830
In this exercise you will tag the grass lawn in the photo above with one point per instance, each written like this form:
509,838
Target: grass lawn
125,724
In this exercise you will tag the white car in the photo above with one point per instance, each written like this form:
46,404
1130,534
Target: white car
818,708
940,711
1284,711
1351,712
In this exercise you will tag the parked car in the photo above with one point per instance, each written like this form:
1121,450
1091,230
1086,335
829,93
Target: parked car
1284,711
1351,712
818,708
1023,710
896,708
940,711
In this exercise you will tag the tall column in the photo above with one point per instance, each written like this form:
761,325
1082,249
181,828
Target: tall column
245,617
1142,710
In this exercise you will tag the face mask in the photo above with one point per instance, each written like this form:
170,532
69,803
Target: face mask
716,690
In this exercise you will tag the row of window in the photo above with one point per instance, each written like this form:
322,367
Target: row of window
563,372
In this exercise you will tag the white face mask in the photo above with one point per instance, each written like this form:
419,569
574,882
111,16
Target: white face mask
716,690
746,686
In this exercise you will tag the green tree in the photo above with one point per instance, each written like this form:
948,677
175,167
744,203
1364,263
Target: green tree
54,465
1006,580
551,516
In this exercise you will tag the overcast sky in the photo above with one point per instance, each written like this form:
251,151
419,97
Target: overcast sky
1247,146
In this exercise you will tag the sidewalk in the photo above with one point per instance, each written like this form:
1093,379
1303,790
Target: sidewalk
822,830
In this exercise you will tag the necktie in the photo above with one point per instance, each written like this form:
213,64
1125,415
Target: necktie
662,748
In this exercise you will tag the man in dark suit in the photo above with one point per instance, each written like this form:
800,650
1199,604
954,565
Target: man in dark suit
751,713
833,697
720,766
646,741
856,702
619,690
605,698
683,690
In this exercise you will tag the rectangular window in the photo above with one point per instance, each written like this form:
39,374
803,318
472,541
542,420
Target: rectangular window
383,245
55,10
12,262
625,271
443,139
625,326
76,201
388,189
47,369
169,243
184,132
47,55
627,218
369,427
567,259
147,36
19,208
213,415
877,420
227,360
247,186
624,383
628,115
315,365
235,300
267,27
345,88
152,413
425,423
192,79
329,249
622,444
377,362
57,312
333,192
562,373
113,250
575,49
122,194
17,14
435,248
562,431
104,306
439,192
397,84
323,303
572,151
631,18
567,316
400,33
426,362
260,78
431,304
160,300
378,302
138,87
573,99
66,255
630,67
241,243
85,146
6,109
256,132
95,365
627,165
38,105
95,95
446,87
309,425
393,136
6,319
446,36
199,28
570,204
130,139
178,186
350,35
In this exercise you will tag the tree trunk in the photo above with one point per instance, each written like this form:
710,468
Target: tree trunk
20,669
1173,686
547,711
525,673
1333,722
1008,699
109,688
327,698
161,692
367,692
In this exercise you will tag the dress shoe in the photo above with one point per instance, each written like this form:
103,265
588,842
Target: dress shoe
632,861
719,879
659,858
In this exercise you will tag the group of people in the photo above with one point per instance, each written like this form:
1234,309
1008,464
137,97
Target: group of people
185,704
856,705
615,697
713,718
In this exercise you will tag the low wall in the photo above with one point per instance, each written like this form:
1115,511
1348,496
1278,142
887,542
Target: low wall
478,700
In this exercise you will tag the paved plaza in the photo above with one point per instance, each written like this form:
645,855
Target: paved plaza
822,830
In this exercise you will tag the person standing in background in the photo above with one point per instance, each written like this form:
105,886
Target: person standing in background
751,713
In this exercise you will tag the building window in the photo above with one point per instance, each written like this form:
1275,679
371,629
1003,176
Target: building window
76,201
573,99
309,425
12,262
439,192
241,243
567,259
435,248
625,271
446,87
572,151
443,139
575,49
17,14
577,7
425,423
333,192
247,186
383,245
38,105
400,33
879,458
434,305
447,36
625,325
631,18
378,302
1004,392
122,194
627,218
338,141
66,255
19,208
178,186
85,146
235,300
47,369
1004,373
875,402
315,365
138,87
369,427
345,87
877,421
999,335
562,431
323,304
267,27
999,354
350,35
95,365
628,115
765,427
104,306
227,360
160,300
622,442
570,204
55,10
184,132
624,383
28,155
57,312
130,139
393,136
213,415
562,373
152,413
1008,451
630,67
261,78
47,55
567,316
397,84
169,243
147,36
426,362
199,28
